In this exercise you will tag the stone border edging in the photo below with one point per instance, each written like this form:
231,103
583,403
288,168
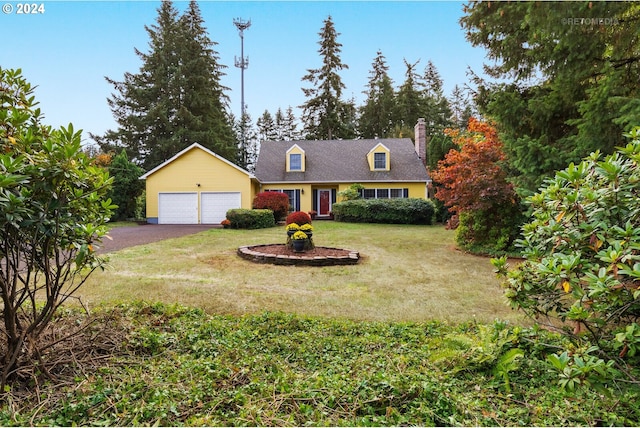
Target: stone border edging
250,253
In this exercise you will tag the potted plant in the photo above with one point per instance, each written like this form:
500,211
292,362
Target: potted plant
307,229
292,228
299,239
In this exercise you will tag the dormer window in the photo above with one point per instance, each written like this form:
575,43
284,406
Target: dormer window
295,159
380,160
295,162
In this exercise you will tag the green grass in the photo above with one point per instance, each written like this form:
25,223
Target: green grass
407,273
173,366
407,337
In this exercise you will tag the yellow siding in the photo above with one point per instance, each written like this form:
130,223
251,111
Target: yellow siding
193,168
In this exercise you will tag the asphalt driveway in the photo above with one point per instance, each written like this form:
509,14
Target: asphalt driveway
130,236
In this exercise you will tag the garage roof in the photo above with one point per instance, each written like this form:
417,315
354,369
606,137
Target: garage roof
191,147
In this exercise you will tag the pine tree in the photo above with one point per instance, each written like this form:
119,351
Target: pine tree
267,130
279,123
175,99
146,98
286,125
377,114
325,115
571,85
437,111
248,143
204,115
461,110
409,100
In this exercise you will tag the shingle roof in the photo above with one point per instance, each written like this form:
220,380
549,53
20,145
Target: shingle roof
340,161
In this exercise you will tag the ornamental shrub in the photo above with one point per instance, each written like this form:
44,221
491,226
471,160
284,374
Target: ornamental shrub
298,217
250,219
582,249
277,202
394,211
472,184
492,231
53,214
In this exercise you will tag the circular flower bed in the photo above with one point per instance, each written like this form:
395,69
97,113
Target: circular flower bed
299,249
281,254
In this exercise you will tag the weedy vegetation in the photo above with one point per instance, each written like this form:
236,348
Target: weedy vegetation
172,365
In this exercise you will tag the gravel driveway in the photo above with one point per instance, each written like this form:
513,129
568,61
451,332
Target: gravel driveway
130,236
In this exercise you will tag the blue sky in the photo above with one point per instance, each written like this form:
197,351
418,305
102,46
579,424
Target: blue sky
69,49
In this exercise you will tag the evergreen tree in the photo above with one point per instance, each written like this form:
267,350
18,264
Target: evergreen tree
325,115
377,114
437,111
175,99
461,110
409,100
203,117
127,186
574,87
286,125
146,98
267,130
279,124
247,143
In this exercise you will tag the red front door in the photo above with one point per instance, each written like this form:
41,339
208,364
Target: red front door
324,202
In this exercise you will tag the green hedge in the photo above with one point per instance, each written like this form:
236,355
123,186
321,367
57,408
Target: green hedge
397,211
250,219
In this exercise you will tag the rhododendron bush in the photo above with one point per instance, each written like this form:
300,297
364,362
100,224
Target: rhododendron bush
582,268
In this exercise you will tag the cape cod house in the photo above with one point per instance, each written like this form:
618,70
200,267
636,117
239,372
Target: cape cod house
198,186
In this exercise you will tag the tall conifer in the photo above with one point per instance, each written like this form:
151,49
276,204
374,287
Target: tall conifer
377,114
410,100
176,98
325,115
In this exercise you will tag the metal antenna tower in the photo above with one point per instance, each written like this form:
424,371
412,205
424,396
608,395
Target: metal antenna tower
242,63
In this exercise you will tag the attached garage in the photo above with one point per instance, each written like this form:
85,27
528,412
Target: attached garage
178,208
214,205
196,186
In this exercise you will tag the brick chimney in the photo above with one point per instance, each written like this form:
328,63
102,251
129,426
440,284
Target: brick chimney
420,132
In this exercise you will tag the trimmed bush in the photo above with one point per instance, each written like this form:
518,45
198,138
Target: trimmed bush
277,202
299,217
395,211
250,219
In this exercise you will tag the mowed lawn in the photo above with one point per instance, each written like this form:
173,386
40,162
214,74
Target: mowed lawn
406,273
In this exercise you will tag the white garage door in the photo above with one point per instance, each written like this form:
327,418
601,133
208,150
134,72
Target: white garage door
178,208
214,205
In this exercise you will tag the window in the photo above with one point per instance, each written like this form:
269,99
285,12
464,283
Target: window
384,193
295,162
369,193
379,161
397,193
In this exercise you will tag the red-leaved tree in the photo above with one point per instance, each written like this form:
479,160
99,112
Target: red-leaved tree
473,185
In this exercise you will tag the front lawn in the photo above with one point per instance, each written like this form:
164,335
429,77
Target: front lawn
407,273
407,337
